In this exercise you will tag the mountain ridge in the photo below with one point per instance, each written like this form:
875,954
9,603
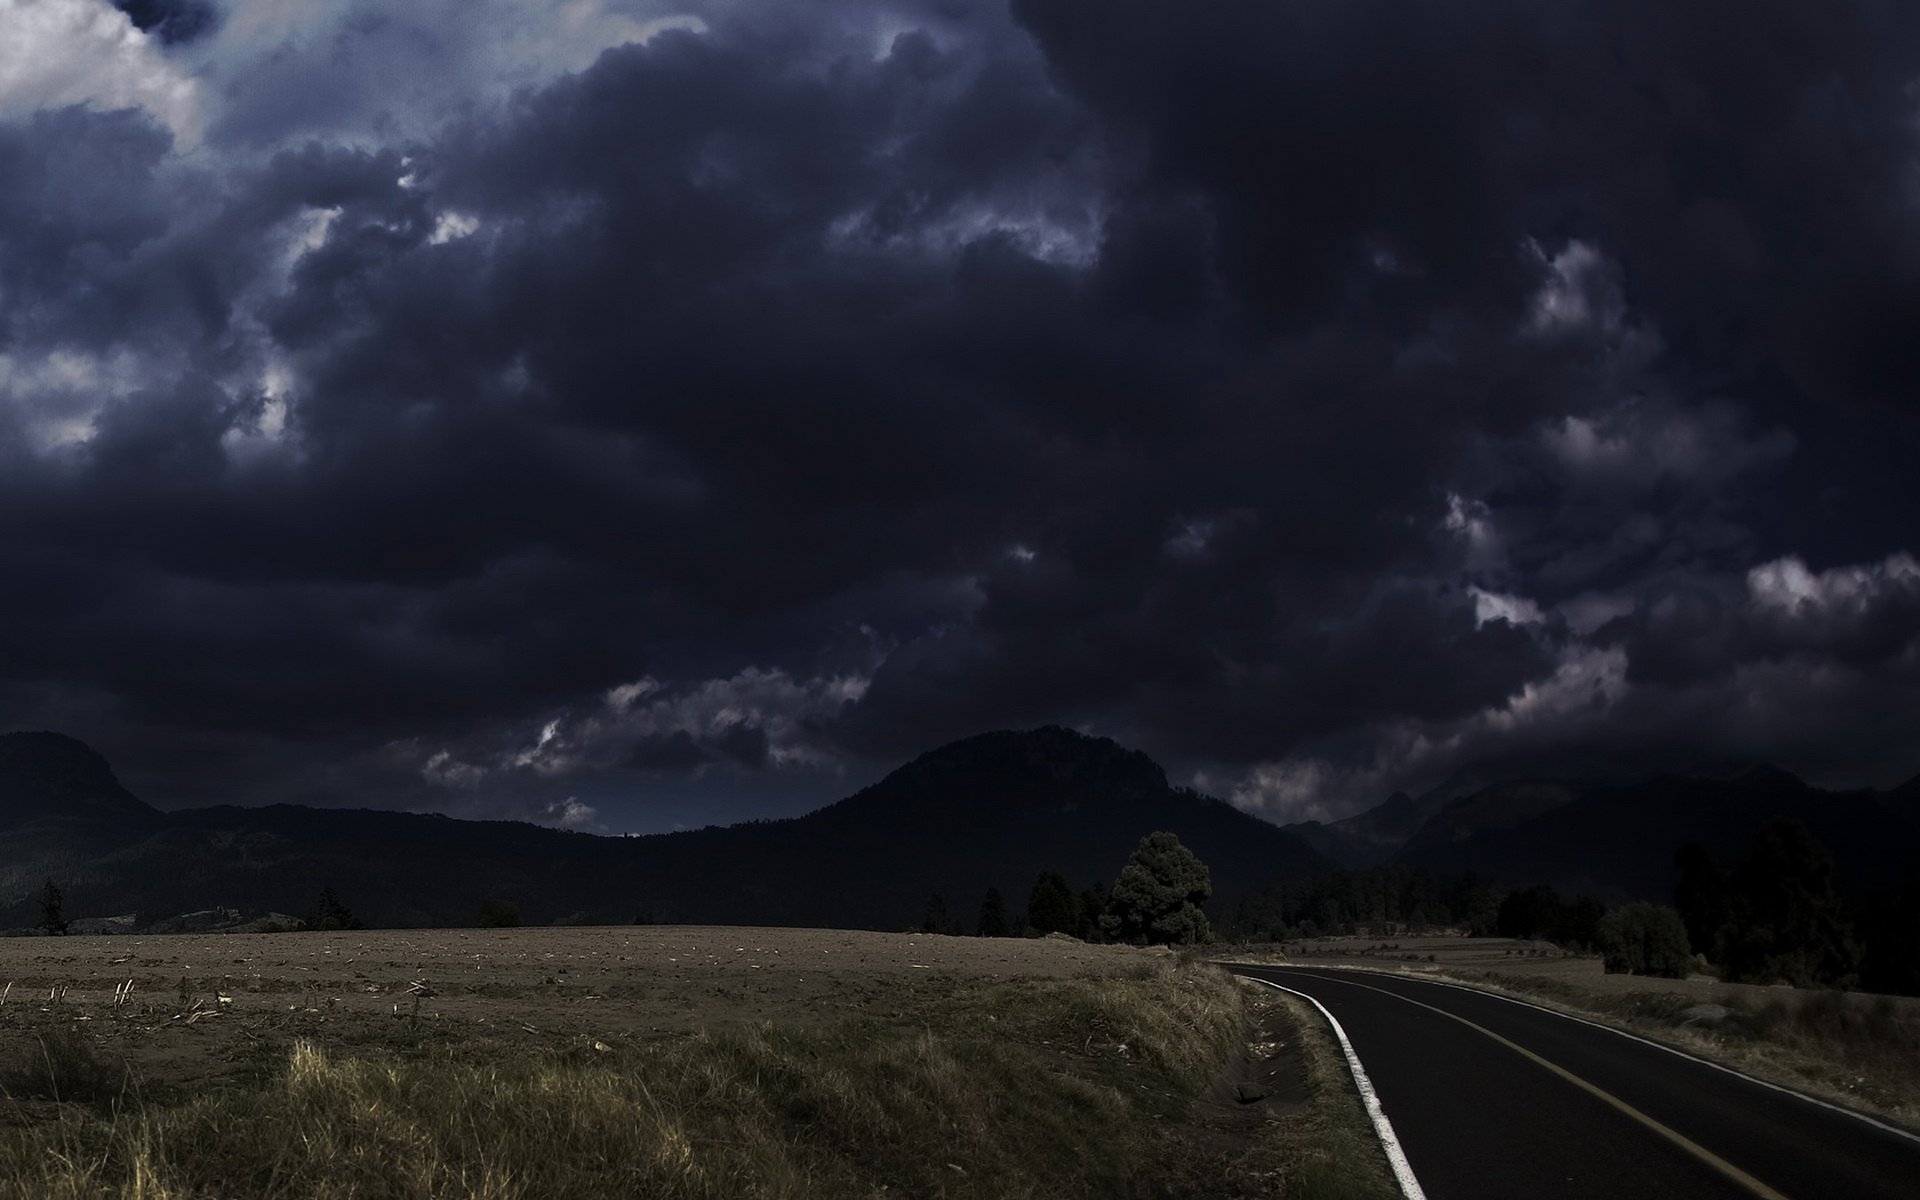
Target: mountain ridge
1617,842
993,810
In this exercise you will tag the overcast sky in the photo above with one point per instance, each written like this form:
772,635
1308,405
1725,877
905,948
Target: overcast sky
633,415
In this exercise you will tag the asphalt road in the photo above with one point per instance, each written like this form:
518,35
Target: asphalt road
1528,1104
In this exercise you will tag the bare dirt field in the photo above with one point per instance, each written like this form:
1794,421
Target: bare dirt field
209,1005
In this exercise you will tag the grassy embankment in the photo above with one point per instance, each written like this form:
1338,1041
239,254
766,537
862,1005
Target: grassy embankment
1076,1087
1328,1150
1858,1050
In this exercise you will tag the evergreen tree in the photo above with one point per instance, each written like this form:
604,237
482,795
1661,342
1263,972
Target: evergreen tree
935,918
1092,907
52,921
1052,907
1480,905
1582,928
1539,912
1702,897
1158,895
1890,941
329,913
1787,923
1534,912
993,915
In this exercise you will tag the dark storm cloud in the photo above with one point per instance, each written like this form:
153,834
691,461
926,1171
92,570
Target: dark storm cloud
1224,660
1345,388
1695,630
1706,148
78,200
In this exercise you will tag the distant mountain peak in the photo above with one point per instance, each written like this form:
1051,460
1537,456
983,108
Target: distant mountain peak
50,775
1766,775
1050,754
1399,802
54,758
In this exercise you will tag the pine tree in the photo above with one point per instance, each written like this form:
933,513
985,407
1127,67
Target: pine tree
1787,922
329,913
1093,907
993,915
1158,895
1052,907
935,918
52,921
1703,896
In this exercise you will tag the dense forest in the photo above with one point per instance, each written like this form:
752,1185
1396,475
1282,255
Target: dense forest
1773,915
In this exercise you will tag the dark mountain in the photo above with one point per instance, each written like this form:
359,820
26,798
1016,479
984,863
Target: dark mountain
1618,842
1368,838
1904,799
52,777
989,811
60,809
997,810
1376,836
1498,806
1507,789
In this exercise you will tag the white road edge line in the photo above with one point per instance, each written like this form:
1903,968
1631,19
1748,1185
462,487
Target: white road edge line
1674,1050
1383,1128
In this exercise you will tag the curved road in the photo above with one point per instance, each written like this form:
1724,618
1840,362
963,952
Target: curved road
1492,1098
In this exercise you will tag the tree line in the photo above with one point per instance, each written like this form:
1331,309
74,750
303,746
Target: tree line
1775,916
1158,898
1772,916
1370,900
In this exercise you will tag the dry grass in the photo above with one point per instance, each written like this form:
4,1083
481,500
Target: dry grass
1862,1051
1859,1050
1329,1150
1024,1088
60,1066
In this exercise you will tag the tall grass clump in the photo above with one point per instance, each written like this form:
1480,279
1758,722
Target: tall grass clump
57,1064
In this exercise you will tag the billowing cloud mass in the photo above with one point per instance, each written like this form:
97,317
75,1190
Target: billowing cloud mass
59,53
626,414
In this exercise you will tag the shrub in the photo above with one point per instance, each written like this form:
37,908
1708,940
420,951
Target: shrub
497,914
1645,939
60,1065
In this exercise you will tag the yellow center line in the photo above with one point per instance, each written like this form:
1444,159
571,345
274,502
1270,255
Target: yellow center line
1672,1135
